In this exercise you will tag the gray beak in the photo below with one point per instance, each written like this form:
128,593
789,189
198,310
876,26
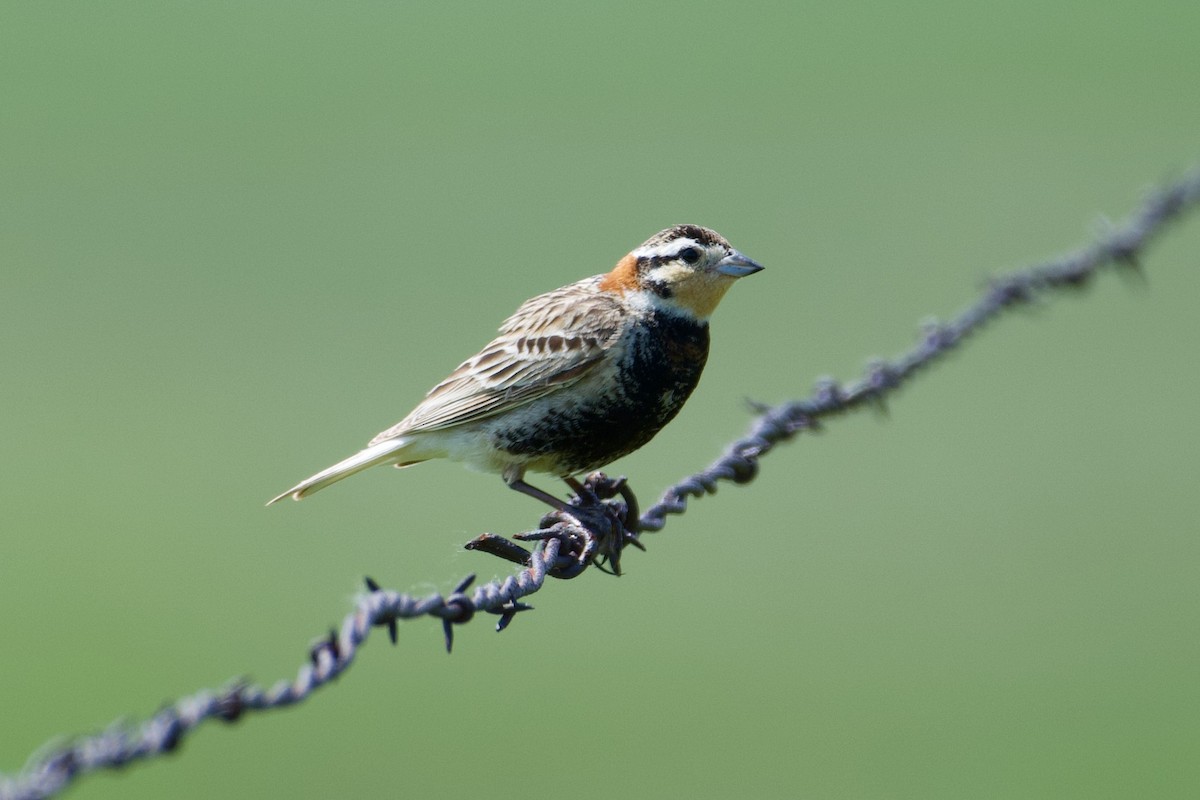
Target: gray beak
737,265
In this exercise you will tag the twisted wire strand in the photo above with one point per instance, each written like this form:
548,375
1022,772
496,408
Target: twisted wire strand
564,545
57,765
1119,246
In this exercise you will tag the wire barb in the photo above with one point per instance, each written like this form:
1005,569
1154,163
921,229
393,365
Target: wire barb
600,522
1119,246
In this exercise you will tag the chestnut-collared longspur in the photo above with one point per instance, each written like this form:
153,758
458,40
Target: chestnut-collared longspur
578,377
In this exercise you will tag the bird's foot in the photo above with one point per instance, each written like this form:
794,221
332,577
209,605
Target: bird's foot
608,509
598,488
593,528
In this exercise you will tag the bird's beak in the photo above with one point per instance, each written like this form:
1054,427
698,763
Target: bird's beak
737,265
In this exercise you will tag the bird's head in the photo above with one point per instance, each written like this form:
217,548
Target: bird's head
685,268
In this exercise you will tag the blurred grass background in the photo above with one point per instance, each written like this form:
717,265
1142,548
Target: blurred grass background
237,240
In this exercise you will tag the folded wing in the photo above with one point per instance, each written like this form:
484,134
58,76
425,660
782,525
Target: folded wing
551,342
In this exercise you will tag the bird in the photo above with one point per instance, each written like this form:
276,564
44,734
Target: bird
577,377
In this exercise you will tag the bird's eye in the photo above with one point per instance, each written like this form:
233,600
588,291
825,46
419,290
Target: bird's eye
690,255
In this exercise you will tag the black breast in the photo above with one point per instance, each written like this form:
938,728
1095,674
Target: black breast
662,365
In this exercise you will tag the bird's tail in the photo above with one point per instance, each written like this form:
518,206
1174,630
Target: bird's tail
386,452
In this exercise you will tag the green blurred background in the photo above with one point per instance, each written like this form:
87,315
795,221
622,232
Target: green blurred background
237,240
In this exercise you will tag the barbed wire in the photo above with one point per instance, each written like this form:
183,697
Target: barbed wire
1119,245
603,519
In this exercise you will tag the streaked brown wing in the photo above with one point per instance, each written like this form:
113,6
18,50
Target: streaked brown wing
551,342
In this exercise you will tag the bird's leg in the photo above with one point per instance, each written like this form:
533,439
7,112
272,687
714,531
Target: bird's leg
524,488
606,527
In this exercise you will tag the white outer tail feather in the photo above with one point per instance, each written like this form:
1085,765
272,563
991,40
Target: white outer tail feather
383,453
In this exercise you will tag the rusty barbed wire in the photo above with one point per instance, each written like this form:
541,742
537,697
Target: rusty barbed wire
596,530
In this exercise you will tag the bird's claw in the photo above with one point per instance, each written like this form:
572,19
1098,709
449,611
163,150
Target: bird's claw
593,529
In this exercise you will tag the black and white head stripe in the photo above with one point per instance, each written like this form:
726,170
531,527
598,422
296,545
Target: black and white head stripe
698,235
671,244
